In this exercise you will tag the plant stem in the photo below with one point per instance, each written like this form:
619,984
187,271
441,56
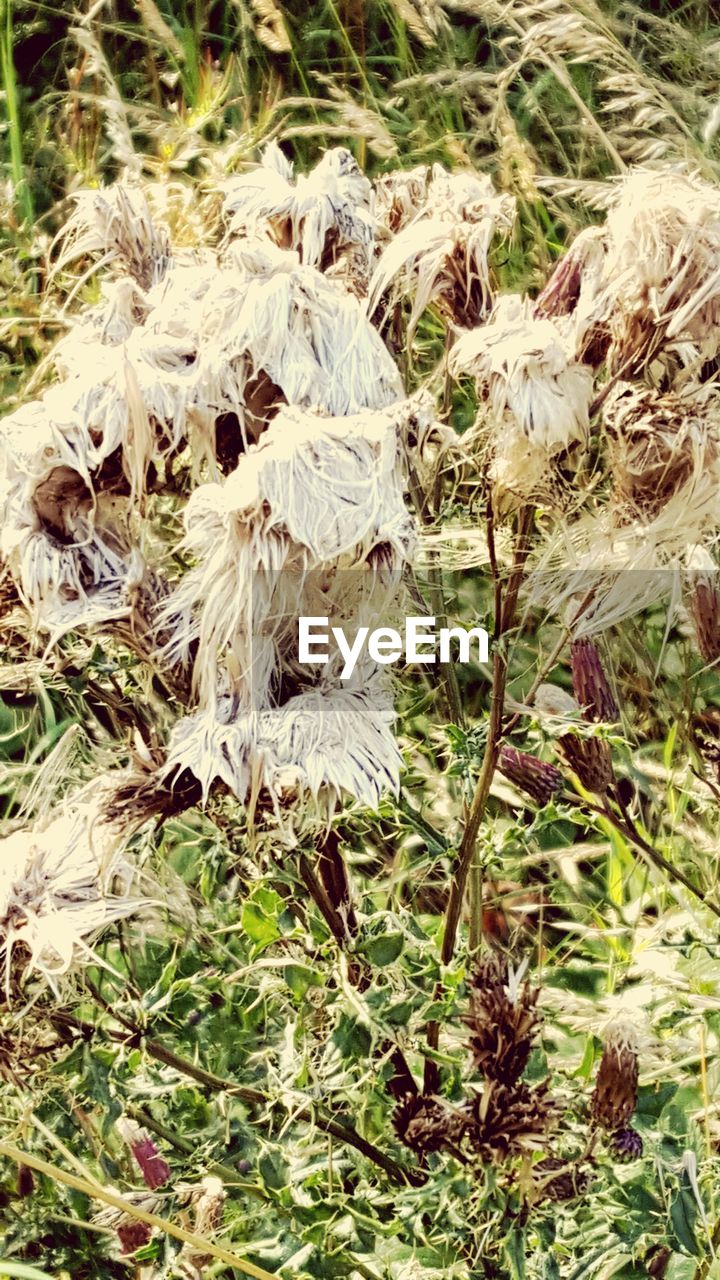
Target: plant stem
505,606
312,1113
627,828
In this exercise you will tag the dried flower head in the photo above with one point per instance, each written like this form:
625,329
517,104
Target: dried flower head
424,1123
277,518
444,251
660,445
322,744
207,1201
615,1094
661,276
539,780
503,1019
531,379
506,1121
574,290
131,1231
115,224
61,883
133,1234
317,214
399,198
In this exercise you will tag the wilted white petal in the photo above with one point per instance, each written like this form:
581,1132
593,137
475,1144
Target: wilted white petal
61,883
525,365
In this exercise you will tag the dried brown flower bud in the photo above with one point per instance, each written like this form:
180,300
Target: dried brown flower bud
705,610
562,291
658,1263
503,1020
590,759
625,1145
424,1123
615,1095
207,1200
539,780
590,684
507,1121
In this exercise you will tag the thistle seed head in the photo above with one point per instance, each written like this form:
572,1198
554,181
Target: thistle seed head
614,1097
503,1020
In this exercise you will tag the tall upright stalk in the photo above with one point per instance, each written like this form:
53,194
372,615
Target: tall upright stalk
23,197
505,608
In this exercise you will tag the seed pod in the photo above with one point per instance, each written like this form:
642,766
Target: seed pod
615,1095
590,759
590,684
625,1145
539,780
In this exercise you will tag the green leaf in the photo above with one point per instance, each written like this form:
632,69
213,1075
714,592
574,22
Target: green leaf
683,1215
260,916
384,950
300,977
514,1247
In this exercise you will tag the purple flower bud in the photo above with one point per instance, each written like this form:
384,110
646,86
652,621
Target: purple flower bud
590,684
590,759
625,1145
154,1169
539,780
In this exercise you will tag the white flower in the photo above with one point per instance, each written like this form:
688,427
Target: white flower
325,743
529,374
444,250
332,201
62,882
